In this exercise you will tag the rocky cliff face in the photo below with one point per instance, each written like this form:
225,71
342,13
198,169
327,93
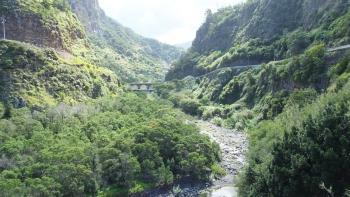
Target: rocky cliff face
30,29
120,38
148,58
260,31
88,12
45,25
81,28
263,19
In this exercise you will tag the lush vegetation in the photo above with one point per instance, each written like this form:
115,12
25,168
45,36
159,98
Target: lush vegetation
296,112
106,147
275,30
68,129
35,76
81,29
239,95
303,152
52,23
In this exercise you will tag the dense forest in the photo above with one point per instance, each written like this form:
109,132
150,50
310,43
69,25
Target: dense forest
105,147
269,69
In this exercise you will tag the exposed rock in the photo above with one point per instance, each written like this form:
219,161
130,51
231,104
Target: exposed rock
256,21
89,13
36,28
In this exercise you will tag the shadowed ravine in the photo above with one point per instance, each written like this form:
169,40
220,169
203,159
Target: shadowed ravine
233,145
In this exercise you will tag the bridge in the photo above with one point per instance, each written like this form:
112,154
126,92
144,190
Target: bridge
141,87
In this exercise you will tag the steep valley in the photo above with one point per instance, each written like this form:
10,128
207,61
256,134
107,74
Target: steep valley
257,106
270,68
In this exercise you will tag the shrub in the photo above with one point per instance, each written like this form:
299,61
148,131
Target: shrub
218,171
217,121
210,112
190,106
307,145
239,120
297,42
136,189
113,145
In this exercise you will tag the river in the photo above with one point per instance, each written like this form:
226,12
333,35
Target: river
233,145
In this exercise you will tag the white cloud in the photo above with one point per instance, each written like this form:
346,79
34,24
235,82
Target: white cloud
170,21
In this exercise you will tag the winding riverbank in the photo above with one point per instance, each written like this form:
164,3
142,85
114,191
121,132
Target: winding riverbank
233,145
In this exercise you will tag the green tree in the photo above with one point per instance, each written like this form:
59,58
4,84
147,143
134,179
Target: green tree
297,42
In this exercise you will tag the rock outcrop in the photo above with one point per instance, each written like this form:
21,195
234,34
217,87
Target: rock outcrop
259,31
81,28
44,26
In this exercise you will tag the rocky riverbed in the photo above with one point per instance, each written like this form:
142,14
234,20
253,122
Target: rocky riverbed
233,145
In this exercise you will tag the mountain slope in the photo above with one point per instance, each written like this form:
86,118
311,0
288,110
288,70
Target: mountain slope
259,31
43,23
82,29
33,76
264,67
147,58
49,72
124,39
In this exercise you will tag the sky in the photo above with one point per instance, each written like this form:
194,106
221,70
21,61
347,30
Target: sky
169,21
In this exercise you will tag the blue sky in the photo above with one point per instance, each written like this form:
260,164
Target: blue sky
169,21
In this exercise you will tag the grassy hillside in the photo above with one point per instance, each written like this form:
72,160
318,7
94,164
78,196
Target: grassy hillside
260,31
82,29
132,56
238,95
34,76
